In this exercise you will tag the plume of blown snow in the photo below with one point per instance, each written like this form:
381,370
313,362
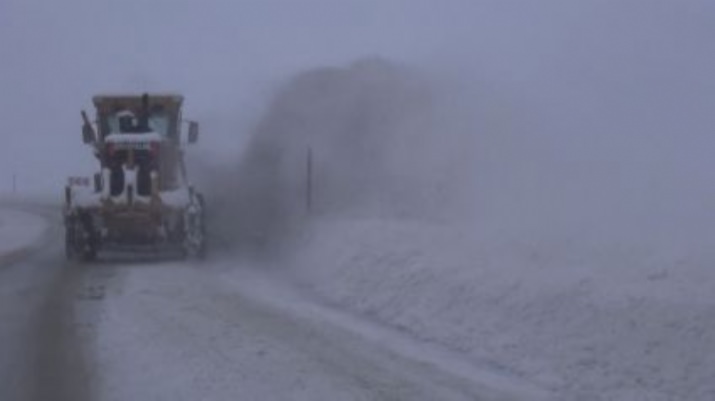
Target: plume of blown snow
341,141
575,167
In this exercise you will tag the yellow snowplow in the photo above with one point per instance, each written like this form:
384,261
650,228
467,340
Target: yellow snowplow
141,198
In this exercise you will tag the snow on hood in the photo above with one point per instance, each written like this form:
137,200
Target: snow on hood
143,137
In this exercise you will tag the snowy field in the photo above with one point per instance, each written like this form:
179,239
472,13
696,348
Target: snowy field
621,325
18,231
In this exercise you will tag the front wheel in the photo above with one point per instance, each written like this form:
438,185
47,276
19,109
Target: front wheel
79,241
70,241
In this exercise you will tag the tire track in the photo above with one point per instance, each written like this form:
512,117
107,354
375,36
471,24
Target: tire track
41,355
60,369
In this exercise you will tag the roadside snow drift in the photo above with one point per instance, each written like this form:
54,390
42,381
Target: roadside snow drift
18,232
611,325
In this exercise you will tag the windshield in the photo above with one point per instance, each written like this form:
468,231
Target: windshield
159,123
123,122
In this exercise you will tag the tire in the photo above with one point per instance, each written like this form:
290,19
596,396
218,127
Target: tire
70,245
80,243
203,251
89,255
194,244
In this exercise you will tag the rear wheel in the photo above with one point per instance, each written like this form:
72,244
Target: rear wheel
194,230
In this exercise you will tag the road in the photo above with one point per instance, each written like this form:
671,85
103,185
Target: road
39,359
172,330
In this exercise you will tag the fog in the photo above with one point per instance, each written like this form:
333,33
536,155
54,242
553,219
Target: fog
545,121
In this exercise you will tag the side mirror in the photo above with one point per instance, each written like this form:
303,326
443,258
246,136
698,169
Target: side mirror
193,132
87,134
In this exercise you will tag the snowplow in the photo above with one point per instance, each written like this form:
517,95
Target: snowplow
141,198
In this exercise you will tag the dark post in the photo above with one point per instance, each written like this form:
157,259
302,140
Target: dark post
68,196
309,181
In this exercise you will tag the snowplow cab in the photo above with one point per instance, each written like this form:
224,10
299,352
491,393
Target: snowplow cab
142,196
125,122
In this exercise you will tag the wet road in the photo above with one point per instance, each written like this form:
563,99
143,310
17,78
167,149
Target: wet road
39,355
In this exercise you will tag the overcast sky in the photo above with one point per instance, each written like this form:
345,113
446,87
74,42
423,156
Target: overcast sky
587,66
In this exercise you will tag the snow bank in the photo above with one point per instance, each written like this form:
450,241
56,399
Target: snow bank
176,332
588,324
18,231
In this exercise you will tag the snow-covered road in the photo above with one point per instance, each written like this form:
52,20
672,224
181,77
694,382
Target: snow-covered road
127,328
39,359
177,331
18,231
